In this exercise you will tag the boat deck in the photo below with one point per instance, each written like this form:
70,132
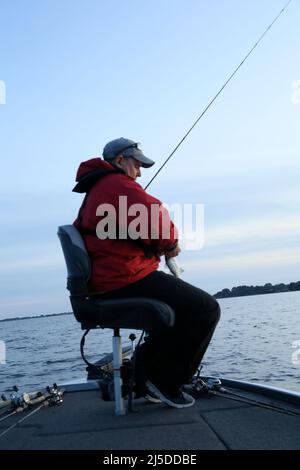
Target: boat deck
215,422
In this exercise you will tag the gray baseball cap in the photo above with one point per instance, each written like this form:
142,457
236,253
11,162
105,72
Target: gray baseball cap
128,148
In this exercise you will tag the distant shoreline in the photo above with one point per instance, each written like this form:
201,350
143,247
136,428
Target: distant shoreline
239,291
36,316
243,291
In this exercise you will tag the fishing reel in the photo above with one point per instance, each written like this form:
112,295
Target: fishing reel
203,385
17,400
55,395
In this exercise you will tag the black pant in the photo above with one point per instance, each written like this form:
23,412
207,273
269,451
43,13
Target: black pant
172,358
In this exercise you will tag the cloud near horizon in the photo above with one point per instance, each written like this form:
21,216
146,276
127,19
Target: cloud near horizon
252,259
256,229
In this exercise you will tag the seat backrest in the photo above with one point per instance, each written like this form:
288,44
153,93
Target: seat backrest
138,313
77,259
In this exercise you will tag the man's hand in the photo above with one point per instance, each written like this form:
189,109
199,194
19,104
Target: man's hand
172,253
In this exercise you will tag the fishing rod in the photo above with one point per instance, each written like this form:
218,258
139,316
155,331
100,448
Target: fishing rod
251,401
220,90
25,404
22,419
54,396
214,386
23,408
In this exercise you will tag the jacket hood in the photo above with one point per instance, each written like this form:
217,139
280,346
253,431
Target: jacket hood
90,172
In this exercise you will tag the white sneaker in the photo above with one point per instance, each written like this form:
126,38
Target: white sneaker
152,397
176,399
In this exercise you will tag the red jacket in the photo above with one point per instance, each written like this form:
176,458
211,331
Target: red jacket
114,262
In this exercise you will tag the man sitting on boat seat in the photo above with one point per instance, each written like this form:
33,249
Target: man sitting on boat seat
114,210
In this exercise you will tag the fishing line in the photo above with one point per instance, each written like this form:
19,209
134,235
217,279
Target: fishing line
220,91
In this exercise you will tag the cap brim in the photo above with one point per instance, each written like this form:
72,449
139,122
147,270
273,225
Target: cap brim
138,155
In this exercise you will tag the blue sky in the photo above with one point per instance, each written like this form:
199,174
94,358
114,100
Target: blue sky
78,74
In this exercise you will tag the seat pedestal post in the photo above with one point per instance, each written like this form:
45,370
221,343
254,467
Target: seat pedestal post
117,361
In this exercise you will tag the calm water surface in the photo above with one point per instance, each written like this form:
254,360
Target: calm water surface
253,342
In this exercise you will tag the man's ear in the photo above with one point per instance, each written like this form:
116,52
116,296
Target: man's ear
118,161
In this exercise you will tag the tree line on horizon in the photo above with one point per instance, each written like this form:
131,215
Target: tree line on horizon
268,288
